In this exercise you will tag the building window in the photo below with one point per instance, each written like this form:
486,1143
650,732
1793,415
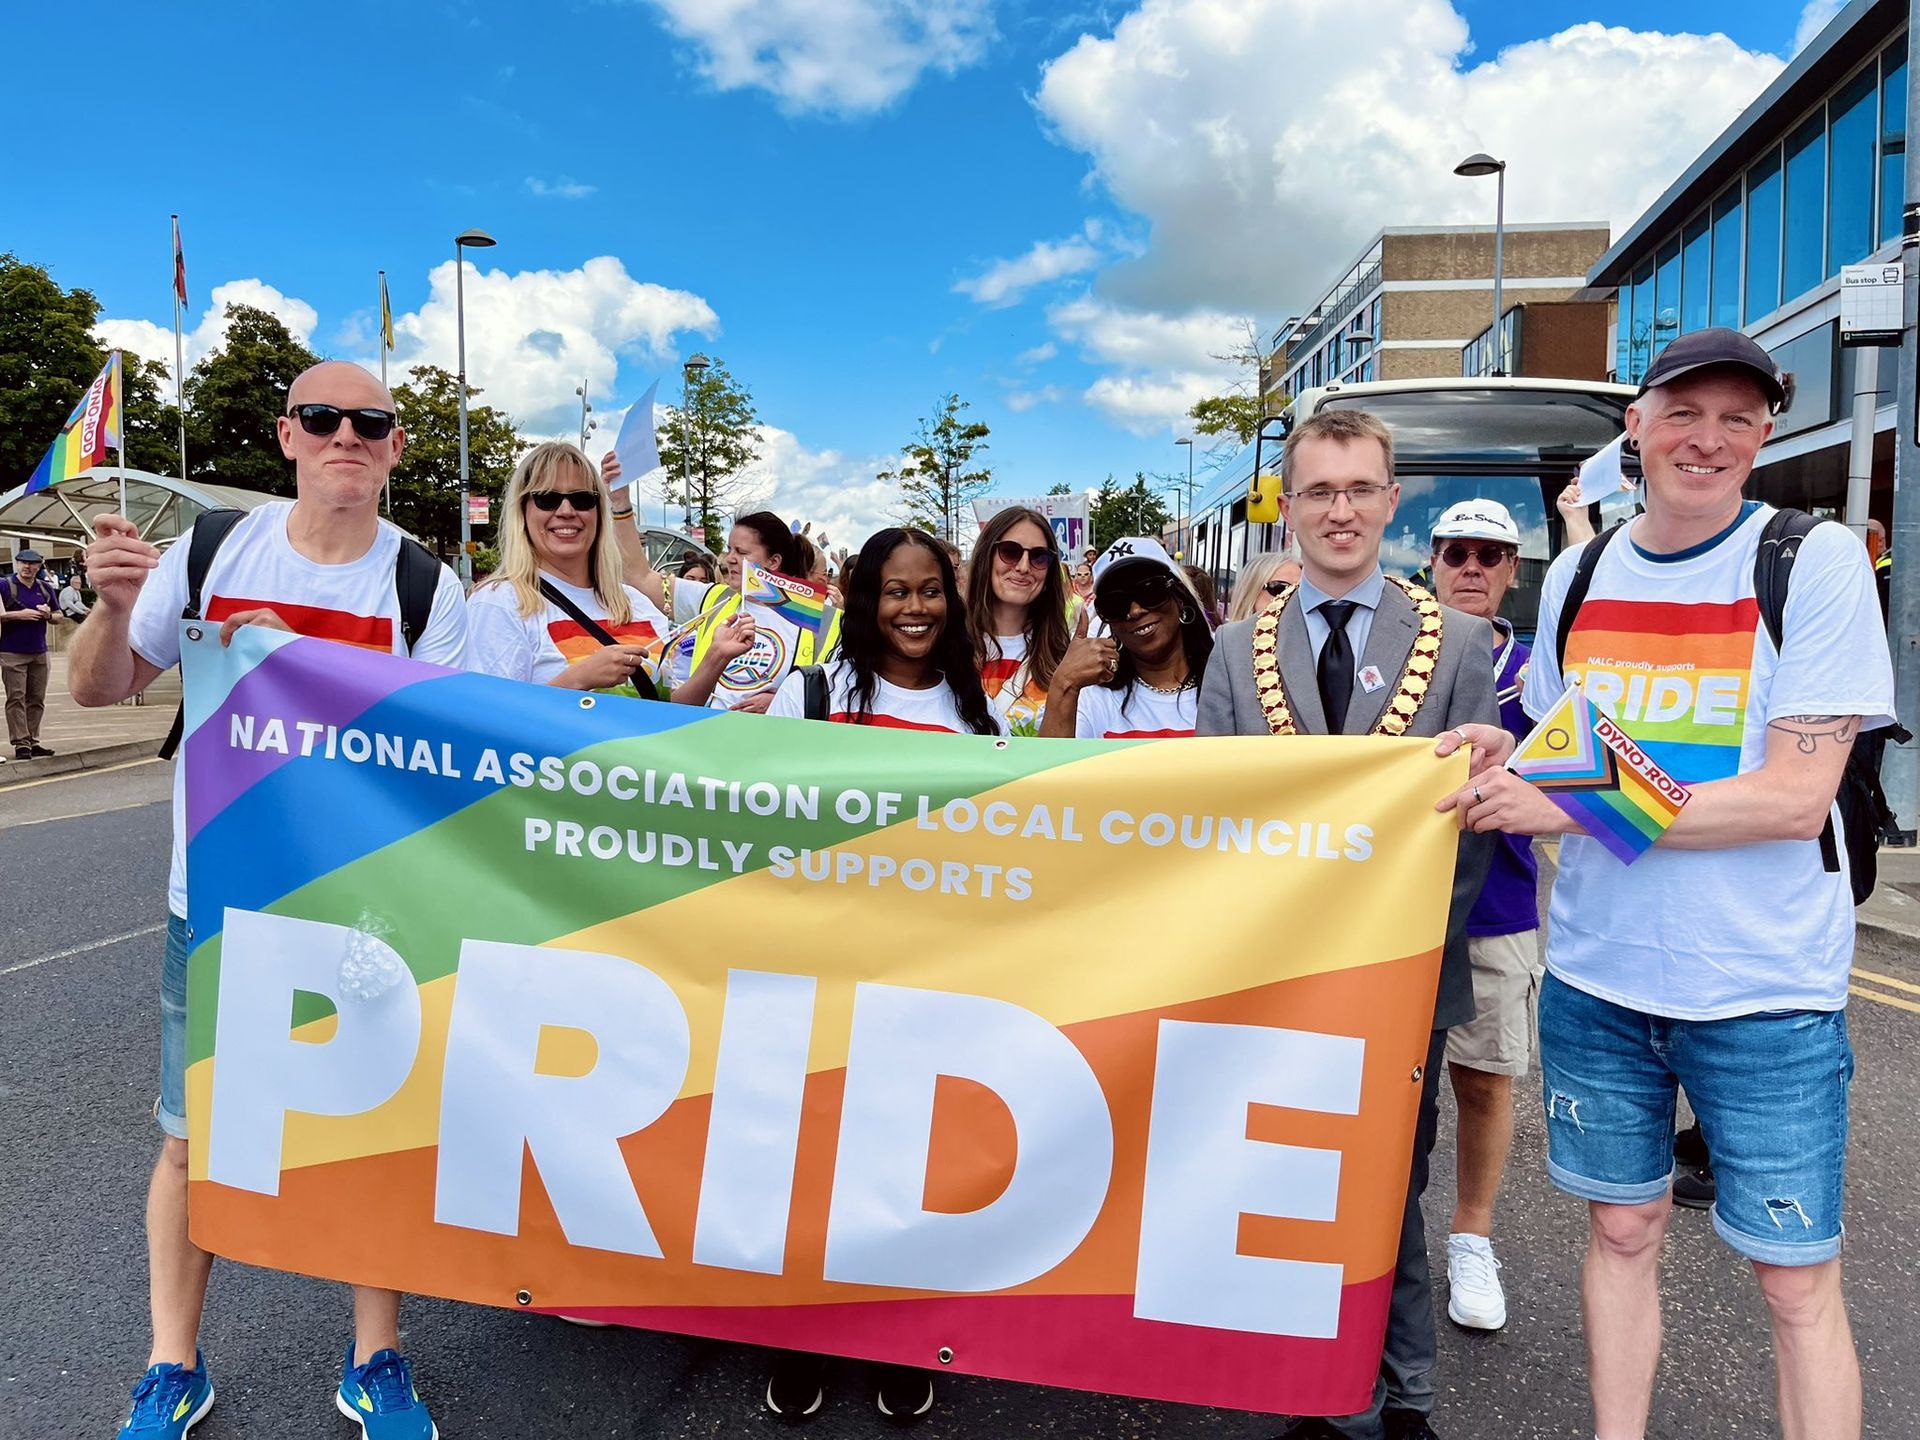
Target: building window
1725,309
1696,268
1666,296
1806,230
1763,237
1642,322
1850,146
1893,138
1623,332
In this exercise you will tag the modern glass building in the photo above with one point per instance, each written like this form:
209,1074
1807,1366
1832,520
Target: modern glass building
1808,179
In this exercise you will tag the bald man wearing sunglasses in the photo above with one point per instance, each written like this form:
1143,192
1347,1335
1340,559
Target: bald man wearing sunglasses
324,564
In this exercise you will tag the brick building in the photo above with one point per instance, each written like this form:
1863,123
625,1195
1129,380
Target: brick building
1417,296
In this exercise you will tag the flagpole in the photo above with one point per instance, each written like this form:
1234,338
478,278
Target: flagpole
388,487
179,362
116,365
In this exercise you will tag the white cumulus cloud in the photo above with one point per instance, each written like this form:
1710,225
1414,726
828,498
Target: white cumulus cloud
1257,188
843,57
155,342
1158,363
533,335
563,188
831,488
1006,282
1813,19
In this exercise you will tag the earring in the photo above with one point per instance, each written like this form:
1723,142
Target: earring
1188,615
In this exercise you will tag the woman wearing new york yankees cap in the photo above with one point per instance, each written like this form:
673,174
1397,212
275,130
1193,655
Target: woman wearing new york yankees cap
1143,680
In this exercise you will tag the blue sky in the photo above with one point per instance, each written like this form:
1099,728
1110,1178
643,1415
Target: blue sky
1058,213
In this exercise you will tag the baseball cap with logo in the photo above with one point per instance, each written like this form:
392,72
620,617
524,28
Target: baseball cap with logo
1477,520
1718,346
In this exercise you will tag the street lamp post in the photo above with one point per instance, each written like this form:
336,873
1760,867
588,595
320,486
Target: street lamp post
696,364
1473,167
1186,539
477,240
586,408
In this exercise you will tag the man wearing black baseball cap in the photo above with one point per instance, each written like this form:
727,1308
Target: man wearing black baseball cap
1719,959
1704,349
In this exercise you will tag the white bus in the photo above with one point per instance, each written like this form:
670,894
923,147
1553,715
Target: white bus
1512,439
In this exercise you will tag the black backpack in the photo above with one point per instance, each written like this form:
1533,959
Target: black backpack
416,578
1865,816
814,703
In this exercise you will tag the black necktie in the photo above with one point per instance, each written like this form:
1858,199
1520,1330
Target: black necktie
1336,664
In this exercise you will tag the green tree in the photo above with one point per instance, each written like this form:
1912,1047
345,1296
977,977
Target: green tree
1060,487
715,436
1135,509
426,482
48,357
235,396
1235,415
934,479
152,420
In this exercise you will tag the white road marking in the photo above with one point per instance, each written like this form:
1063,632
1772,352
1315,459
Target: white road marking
83,949
82,814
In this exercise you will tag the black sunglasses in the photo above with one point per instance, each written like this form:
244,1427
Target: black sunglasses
1455,555
580,501
1010,551
368,424
1277,587
1149,591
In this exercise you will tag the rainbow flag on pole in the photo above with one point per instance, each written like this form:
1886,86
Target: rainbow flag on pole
799,602
1593,770
91,430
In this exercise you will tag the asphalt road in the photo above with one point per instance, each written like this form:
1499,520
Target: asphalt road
82,893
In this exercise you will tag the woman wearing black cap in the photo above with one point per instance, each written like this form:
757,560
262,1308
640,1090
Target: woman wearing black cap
1144,682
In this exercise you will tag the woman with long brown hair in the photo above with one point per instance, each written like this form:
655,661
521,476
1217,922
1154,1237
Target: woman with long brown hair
1017,609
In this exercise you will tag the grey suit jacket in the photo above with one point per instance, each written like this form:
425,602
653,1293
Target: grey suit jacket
1462,692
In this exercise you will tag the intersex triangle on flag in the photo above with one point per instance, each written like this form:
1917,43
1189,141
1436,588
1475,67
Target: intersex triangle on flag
90,432
1592,769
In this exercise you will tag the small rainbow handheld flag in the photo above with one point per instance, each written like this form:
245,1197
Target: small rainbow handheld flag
799,602
1592,769
90,432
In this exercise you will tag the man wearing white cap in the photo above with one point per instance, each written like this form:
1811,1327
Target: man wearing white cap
1476,557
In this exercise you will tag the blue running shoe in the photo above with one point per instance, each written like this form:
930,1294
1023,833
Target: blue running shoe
169,1401
379,1397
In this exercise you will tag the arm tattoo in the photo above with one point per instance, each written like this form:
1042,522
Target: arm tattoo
1809,730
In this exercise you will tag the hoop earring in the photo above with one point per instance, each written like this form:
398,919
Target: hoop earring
1188,615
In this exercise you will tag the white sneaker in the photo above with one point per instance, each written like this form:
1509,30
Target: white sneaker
1475,1298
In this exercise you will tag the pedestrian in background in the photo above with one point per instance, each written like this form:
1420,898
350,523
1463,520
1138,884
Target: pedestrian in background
28,604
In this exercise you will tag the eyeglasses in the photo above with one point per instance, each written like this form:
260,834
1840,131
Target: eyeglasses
1276,587
1008,552
1149,592
580,501
368,424
1489,556
1321,497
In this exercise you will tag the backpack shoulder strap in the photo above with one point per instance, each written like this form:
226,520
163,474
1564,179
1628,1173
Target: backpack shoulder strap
813,698
1773,566
557,597
209,533
203,542
1577,592
416,580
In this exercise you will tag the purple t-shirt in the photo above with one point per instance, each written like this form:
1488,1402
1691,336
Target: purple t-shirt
24,637
1509,902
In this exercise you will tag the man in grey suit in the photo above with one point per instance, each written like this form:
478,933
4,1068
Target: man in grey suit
1354,652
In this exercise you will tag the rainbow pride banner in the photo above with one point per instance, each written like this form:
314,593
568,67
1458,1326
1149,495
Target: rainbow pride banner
799,602
1593,770
965,1088
90,432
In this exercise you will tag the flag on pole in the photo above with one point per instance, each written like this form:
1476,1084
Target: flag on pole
1592,769
638,449
179,267
386,314
799,602
90,432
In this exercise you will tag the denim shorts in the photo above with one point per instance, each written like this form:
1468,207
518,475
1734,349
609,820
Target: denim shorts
1770,1091
171,1108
